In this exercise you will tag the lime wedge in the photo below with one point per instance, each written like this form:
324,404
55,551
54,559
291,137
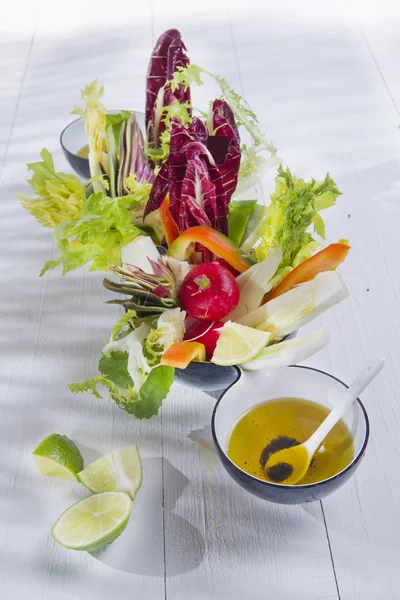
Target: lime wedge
58,456
121,470
93,522
238,344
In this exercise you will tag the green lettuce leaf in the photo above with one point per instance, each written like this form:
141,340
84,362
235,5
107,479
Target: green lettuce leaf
89,385
152,393
94,118
98,236
294,207
49,265
60,197
115,367
121,395
131,374
144,405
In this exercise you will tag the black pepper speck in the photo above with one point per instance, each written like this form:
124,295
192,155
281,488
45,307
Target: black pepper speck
279,443
279,472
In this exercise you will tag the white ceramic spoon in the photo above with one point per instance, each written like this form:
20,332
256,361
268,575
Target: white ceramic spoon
290,465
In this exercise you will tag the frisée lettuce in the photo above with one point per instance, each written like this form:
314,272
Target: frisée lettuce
129,367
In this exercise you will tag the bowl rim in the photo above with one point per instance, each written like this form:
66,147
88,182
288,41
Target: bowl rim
111,110
280,486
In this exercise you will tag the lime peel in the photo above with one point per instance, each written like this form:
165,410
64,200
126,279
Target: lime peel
58,456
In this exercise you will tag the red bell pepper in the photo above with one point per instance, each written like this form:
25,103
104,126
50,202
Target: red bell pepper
218,243
171,230
326,260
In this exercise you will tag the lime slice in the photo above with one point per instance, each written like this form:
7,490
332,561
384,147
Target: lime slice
93,522
58,456
121,470
238,344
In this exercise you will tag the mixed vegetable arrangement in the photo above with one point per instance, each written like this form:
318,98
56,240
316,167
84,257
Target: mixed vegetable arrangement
203,269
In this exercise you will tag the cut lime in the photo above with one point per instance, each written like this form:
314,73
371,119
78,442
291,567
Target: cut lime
93,522
121,470
238,344
58,456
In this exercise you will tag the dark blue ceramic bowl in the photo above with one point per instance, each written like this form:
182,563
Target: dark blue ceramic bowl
209,377
254,387
73,138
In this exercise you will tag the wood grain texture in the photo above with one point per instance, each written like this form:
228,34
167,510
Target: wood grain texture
338,88
53,330
324,80
227,531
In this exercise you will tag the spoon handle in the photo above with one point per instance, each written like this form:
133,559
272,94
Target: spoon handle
362,380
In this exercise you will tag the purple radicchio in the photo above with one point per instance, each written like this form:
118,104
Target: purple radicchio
224,145
200,174
185,177
168,54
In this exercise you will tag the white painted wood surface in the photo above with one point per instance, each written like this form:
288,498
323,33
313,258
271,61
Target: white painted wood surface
325,81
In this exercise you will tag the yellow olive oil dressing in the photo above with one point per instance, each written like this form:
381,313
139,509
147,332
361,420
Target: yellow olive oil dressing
83,152
288,421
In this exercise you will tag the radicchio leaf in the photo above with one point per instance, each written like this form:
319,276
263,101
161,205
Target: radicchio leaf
223,122
198,201
224,145
168,54
192,180
198,130
176,167
159,190
156,124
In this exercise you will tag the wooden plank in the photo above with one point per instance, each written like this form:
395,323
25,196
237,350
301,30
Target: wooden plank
378,23
332,112
362,518
16,37
54,329
220,541
307,72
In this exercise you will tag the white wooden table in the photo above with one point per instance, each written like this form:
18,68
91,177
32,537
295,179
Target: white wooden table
324,78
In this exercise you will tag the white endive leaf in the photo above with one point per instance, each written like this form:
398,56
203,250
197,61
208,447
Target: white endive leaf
138,251
254,284
289,352
298,306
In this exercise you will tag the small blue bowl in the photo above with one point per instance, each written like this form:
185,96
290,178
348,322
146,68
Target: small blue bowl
209,377
73,138
254,387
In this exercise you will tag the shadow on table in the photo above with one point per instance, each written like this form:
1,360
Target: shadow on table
141,548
